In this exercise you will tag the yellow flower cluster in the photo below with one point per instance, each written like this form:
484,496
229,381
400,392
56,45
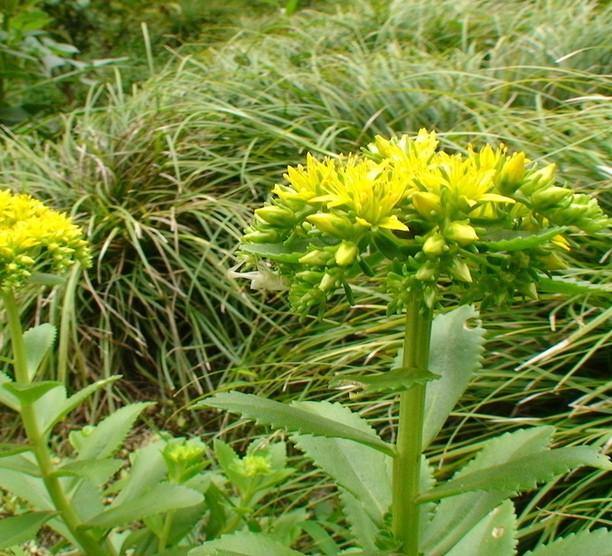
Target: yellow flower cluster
34,238
436,216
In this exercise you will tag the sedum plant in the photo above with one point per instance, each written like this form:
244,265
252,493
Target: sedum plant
433,229
165,500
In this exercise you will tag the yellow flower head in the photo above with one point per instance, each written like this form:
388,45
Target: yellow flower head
484,221
34,238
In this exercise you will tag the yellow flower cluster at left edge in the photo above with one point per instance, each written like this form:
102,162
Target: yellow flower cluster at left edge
35,238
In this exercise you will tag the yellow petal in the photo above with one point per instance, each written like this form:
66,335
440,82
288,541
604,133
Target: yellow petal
496,198
392,223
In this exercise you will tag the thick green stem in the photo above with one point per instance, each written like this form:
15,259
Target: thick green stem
407,463
87,543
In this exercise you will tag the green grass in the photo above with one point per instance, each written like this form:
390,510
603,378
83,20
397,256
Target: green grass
165,179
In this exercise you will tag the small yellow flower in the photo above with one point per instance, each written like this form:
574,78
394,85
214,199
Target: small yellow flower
35,238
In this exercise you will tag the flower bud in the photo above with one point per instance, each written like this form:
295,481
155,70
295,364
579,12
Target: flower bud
545,175
316,257
328,282
550,196
426,273
512,172
461,233
460,270
434,245
277,216
346,253
426,203
309,276
332,224
261,236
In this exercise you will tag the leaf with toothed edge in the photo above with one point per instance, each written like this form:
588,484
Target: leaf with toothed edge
520,240
584,543
455,516
301,417
399,379
495,534
522,473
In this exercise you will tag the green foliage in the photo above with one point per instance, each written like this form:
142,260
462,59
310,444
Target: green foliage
494,534
21,528
303,417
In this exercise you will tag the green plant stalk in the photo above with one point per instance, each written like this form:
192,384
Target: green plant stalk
407,462
62,504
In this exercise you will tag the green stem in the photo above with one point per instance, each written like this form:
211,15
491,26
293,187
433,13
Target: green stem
163,538
407,463
88,544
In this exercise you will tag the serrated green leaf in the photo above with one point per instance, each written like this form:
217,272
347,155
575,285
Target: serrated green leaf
455,516
359,469
572,286
148,468
520,240
243,543
161,498
98,471
272,251
495,534
22,528
106,438
76,400
521,473
27,394
361,523
301,417
38,342
23,462
9,449
395,380
455,355
28,487
584,543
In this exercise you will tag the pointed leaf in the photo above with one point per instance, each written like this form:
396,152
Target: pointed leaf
38,342
272,251
456,515
572,286
455,354
492,535
585,543
107,437
98,471
9,449
22,528
148,469
359,469
161,498
6,397
361,523
520,240
23,462
243,543
522,473
299,417
27,394
395,380
77,399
